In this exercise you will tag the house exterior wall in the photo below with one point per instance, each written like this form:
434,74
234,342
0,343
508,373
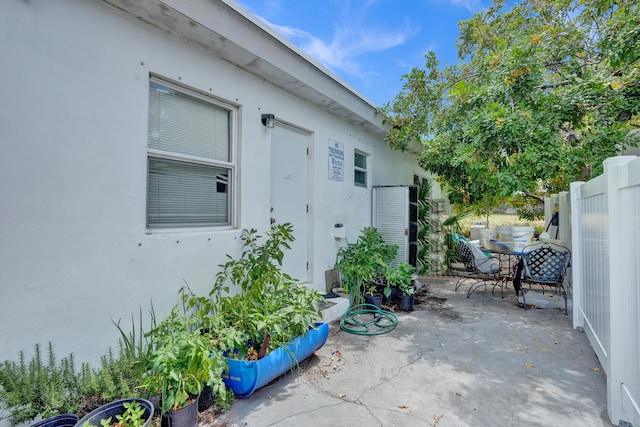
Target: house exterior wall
75,253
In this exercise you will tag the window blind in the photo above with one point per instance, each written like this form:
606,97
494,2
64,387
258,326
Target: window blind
184,124
182,193
187,137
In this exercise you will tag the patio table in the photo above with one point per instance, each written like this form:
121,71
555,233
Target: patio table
507,260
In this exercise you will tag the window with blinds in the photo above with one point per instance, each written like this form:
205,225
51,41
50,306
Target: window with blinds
360,169
190,159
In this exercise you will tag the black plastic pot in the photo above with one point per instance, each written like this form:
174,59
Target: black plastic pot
405,302
205,401
375,299
155,401
112,409
62,420
392,297
184,417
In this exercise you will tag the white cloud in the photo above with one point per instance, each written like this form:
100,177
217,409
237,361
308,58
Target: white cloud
470,5
347,45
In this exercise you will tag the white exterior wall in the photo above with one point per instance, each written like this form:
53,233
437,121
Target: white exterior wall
74,252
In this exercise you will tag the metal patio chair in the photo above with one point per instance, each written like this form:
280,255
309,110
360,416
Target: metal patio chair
542,266
480,268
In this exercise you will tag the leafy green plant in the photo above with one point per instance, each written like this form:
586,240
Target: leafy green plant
106,422
133,416
364,263
401,277
185,351
543,93
269,309
372,289
181,362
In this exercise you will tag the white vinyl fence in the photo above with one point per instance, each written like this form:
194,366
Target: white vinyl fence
605,228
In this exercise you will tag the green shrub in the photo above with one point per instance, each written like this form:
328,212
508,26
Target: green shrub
363,264
269,309
45,386
38,387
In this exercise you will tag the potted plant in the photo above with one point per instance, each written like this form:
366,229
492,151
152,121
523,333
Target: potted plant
53,391
401,276
372,295
269,324
133,412
389,288
363,264
182,360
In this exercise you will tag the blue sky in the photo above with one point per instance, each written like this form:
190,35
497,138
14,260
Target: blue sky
369,44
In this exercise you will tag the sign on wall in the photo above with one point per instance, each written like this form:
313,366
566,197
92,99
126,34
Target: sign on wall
336,160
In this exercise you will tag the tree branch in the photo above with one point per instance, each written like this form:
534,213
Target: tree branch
533,196
554,85
465,77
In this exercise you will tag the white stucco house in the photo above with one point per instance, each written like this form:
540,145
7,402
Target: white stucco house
135,146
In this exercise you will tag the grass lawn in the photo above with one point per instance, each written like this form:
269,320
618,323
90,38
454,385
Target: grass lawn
501,219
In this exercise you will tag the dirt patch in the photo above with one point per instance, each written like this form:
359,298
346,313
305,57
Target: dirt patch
424,300
213,417
334,328
324,304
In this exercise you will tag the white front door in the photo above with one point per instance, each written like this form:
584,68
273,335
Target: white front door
290,195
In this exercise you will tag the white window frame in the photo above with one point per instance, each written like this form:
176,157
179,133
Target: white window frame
360,169
154,153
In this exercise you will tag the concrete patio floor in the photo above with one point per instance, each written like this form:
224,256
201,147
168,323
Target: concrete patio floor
454,361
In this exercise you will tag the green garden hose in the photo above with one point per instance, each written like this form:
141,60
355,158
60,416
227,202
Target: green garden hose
360,320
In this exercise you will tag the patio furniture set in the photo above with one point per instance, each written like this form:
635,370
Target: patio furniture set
540,266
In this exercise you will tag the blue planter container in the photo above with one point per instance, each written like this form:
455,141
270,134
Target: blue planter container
246,376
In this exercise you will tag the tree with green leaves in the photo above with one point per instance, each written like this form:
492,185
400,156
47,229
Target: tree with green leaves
545,91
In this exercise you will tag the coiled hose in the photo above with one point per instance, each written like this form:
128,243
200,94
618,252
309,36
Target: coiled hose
362,318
